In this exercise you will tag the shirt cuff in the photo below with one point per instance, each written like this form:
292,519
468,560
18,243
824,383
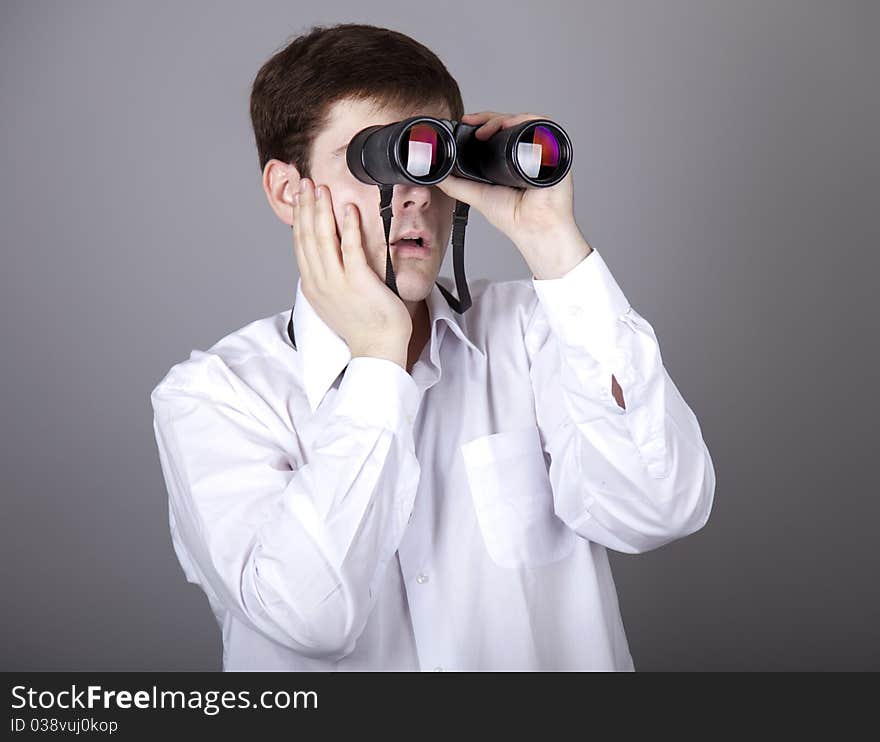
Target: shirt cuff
378,392
584,307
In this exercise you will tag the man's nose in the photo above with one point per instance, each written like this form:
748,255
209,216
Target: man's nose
411,197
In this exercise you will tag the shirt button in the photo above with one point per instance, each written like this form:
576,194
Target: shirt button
421,578
575,311
438,669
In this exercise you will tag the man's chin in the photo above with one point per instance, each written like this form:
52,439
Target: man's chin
413,284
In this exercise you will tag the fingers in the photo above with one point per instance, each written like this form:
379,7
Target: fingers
483,120
306,218
325,230
492,126
463,189
316,231
480,117
302,255
477,118
351,246
491,122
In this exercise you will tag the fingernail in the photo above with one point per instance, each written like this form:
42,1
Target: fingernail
296,198
302,186
318,191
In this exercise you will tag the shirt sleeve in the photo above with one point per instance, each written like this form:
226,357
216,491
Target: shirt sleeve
296,552
631,479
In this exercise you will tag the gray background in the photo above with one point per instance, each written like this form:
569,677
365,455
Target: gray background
726,167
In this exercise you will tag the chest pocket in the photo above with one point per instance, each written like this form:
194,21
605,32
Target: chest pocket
510,488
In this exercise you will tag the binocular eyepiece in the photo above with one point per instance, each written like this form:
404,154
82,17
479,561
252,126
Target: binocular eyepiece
424,150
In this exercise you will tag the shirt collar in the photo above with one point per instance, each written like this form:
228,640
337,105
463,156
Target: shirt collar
325,354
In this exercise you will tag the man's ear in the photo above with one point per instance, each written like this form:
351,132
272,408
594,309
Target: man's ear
280,182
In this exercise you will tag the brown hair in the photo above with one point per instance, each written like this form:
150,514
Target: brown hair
294,90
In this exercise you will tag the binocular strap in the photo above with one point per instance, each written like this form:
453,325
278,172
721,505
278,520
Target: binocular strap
459,224
386,192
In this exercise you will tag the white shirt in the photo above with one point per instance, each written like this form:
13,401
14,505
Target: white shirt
342,514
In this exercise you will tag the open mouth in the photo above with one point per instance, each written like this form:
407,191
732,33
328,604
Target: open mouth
413,240
410,242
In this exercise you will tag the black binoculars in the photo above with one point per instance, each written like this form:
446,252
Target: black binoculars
424,150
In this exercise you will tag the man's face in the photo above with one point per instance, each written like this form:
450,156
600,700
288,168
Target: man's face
415,207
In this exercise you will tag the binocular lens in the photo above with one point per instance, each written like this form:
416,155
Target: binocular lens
538,152
421,151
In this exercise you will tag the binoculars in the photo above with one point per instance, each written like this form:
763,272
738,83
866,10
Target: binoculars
424,150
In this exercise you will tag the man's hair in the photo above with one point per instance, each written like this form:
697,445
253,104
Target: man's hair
294,90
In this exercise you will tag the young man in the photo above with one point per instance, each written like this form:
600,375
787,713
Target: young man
394,485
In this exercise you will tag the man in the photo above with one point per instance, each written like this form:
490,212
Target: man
394,485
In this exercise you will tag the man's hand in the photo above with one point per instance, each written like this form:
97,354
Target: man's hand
339,283
539,221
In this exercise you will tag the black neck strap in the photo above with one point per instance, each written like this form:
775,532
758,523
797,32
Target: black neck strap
386,192
459,225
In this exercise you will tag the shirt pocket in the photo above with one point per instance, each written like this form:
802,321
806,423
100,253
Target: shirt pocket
510,487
